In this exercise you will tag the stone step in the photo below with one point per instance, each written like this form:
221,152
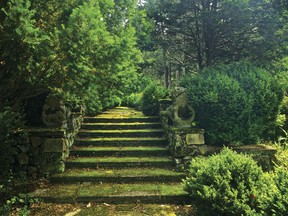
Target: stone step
124,175
121,126
122,110
160,193
122,141
113,119
130,151
118,162
121,133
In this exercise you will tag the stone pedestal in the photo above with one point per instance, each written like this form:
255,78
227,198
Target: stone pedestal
46,150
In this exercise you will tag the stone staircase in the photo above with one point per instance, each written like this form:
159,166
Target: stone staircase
120,156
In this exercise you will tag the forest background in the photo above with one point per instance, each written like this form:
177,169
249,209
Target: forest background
105,53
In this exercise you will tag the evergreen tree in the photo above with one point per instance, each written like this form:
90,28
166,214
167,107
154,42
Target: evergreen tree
23,48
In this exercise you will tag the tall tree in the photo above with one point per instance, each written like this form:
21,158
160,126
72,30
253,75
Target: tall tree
23,50
201,33
85,47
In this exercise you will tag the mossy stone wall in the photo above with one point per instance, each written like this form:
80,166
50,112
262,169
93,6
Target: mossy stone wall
45,150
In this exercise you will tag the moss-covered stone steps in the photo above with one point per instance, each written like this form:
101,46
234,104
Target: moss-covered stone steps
119,156
121,126
130,151
113,193
121,141
121,133
124,175
113,119
118,162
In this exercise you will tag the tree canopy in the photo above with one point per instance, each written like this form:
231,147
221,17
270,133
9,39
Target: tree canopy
85,48
195,34
97,49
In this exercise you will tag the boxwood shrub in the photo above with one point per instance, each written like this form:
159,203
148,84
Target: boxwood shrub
236,103
233,184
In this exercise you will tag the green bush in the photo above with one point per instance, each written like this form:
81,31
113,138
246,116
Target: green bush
132,100
231,184
92,101
236,103
280,204
281,132
21,202
220,103
10,121
150,99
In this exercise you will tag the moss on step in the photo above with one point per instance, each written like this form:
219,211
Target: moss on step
120,148
119,172
117,162
123,131
139,209
106,119
121,125
122,139
93,190
60,191
118,159
119,151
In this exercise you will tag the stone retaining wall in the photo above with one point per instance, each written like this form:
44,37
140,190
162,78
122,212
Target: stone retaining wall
44,150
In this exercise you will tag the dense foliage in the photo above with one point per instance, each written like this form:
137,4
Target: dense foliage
10,122
235,103
150,99
190,35
87,48
233,184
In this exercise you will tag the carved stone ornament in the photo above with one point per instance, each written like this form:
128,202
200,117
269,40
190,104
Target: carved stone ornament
181,112
55,113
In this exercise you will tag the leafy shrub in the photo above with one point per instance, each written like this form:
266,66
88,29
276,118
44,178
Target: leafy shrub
10,121
230,184
92,101
21,202
220,104
150,99
281,130
132,100
280,204
236,103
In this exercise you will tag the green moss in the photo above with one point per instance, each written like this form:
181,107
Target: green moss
122,123
129,148
139,209
113,139
91,190
119,172
123,131
119,159
58,191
